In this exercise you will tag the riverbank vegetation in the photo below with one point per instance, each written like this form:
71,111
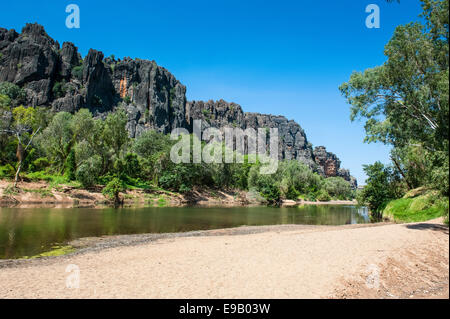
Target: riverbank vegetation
405,104
84,151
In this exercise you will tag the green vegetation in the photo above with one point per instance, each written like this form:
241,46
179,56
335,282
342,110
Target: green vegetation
113,189
405,104
418,208
77,72
127,99
84,151
56,251
59,89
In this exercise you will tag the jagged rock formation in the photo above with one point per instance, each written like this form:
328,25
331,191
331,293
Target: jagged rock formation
293,143
153,98
328,164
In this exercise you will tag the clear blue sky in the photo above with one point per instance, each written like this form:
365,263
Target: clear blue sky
279,57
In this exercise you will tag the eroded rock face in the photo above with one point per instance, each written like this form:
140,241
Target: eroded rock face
329,165
151,96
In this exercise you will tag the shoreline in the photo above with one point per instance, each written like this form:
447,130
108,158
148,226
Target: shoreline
313,262
86,245
41,195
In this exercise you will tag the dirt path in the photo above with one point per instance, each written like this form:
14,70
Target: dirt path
387,261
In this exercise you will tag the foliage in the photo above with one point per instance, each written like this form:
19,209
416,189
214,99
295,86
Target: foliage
113,188
407,97
77,72
405,103
56,139
59,89
420,208
115,133
15,93
70,166
323,196
88,172
337,187
7,171
378,192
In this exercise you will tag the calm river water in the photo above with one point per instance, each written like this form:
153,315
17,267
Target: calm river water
28,232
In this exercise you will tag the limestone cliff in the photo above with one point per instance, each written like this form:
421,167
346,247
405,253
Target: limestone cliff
59,78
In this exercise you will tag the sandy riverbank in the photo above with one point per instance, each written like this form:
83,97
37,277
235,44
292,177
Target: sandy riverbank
42,194
411,261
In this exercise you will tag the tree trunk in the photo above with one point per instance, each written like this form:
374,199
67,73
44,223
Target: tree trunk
401,172
16,179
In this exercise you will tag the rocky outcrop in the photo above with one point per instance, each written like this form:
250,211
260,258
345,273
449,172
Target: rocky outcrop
58,77
328,164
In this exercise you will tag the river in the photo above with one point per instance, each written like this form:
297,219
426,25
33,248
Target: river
31,231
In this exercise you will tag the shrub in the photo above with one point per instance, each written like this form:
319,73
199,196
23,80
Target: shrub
131,165
113,188
14,92
127,99
77,72
87,173
337,187
7,171
39,164
271,193
323,196
59,89
70,166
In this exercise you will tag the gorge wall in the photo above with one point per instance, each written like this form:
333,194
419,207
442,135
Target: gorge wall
57,77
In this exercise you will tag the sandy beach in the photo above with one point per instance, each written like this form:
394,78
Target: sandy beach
352,261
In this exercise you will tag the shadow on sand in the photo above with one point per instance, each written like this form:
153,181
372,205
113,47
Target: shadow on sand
426,226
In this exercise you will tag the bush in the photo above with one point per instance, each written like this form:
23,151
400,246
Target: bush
337,187
7,171
132,167
77,72
59,90
16,94
39,164
71,166
88,172
113,188
323,196
44,176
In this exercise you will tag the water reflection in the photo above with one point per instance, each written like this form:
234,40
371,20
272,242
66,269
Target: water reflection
27,232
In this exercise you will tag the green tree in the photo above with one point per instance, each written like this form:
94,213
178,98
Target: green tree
115,133
24,129
405,101
377,192
154,150
407,97
57,139
337,187
113,189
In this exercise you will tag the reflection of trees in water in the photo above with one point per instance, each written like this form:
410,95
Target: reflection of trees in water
30,232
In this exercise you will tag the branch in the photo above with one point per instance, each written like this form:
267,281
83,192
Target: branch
31,139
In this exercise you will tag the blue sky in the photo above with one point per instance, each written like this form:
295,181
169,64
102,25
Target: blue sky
279,57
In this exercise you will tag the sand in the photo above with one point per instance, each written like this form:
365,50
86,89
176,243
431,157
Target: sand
383,261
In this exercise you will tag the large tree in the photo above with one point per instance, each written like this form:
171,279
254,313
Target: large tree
406,98
405,101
